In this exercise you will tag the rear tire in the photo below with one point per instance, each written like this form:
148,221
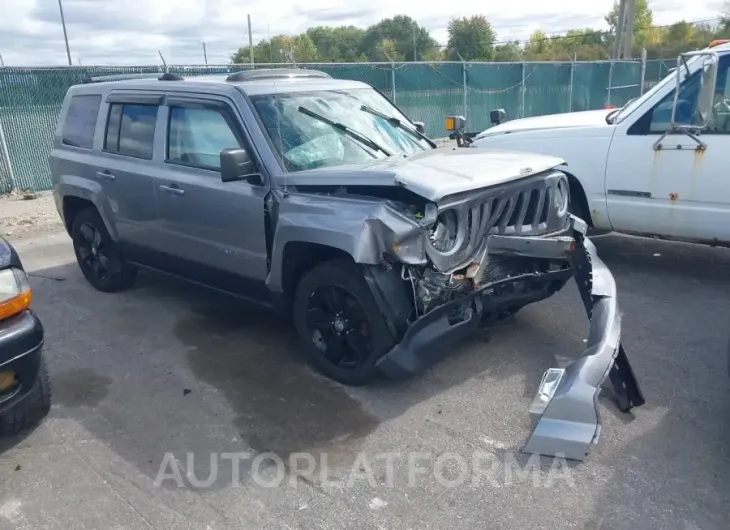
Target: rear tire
98,255
32,409
342,330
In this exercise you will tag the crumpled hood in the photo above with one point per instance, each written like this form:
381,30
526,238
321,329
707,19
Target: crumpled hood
433,174
589,118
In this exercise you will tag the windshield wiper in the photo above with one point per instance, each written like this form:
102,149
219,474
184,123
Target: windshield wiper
395,122
347,130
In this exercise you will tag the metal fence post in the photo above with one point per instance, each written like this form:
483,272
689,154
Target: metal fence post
610,82
463,68
643,71
570,91
5,157
392,78
522,89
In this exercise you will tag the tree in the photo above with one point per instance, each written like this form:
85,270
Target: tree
339,44
538,47
643,16
473,38
304,50
386,50
508,52
402,31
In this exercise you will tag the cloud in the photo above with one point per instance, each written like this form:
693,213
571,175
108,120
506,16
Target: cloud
126,32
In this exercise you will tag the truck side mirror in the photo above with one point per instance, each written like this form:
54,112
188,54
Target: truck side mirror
420,127
706,92
497,116
236,164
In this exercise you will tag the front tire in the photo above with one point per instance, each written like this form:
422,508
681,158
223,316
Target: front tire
342,330
98,255
32,409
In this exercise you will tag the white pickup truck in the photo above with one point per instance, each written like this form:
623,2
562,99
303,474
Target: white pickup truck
659,166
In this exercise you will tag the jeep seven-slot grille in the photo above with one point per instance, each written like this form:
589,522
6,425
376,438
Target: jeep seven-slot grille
532,206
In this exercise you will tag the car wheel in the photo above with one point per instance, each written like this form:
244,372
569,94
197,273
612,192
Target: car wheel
341,327
98,255
32,409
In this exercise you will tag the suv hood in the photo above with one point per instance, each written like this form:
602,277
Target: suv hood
589,118
433,174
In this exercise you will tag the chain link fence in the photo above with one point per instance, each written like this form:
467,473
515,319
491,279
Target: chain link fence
30,98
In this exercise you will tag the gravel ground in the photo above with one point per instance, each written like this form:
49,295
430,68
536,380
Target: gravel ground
160,377
21,217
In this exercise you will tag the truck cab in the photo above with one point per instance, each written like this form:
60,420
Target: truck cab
653,167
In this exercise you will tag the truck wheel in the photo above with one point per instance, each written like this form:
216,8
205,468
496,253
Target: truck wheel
341,328
32,409
98,255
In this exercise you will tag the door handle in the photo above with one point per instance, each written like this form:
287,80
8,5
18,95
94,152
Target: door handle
105,175
174,190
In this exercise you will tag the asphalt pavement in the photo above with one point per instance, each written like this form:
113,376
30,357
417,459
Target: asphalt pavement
159,390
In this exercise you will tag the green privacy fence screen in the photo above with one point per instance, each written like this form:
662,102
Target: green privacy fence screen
30,98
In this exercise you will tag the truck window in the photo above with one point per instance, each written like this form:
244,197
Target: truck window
78,129
130,130
197,136
661,114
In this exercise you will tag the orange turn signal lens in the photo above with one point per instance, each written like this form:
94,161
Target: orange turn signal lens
15,294
450,123
15,305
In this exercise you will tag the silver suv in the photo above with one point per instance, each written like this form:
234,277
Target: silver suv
320,198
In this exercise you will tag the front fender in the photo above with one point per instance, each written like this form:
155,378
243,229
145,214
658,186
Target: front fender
362,228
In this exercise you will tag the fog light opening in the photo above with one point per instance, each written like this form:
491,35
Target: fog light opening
7,381
548,385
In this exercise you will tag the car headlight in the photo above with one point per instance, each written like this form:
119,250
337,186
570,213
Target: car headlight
443,234
562,194
15,294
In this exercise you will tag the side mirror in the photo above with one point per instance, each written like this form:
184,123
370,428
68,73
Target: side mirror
420,127
236,164
706,92
497,116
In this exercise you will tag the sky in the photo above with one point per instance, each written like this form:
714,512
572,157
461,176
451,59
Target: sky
130,32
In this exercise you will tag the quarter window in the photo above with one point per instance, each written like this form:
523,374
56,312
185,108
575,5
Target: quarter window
131,130
197,136
78,130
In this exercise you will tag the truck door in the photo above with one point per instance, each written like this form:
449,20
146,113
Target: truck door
675,188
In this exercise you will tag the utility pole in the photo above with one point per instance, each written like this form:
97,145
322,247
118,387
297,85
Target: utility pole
628,39
205,53
250,39
619,30
415,48
65,35
2,63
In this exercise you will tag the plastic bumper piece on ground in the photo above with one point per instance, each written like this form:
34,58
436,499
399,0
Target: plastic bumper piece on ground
21,344
570,422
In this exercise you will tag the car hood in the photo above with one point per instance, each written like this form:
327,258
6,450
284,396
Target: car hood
590,118
433,174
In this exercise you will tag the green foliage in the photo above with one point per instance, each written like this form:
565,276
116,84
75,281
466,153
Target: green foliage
474,39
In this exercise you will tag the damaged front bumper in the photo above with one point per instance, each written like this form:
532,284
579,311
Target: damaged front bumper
567,398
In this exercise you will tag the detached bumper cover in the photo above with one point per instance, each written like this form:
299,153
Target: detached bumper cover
570,421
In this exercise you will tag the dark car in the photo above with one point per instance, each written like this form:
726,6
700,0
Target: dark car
25,389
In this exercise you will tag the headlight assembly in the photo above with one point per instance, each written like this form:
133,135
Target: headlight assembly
443,234
15,294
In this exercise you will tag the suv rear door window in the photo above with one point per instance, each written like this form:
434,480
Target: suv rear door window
78,130
197,136
131,130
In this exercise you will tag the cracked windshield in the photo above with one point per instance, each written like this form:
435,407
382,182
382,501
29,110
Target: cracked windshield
332,127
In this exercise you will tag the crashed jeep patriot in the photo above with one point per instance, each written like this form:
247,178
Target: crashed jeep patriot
320,198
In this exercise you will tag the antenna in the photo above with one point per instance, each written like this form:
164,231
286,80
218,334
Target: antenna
164,64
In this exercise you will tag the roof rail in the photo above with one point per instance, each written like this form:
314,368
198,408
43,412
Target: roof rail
124,77
275,73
